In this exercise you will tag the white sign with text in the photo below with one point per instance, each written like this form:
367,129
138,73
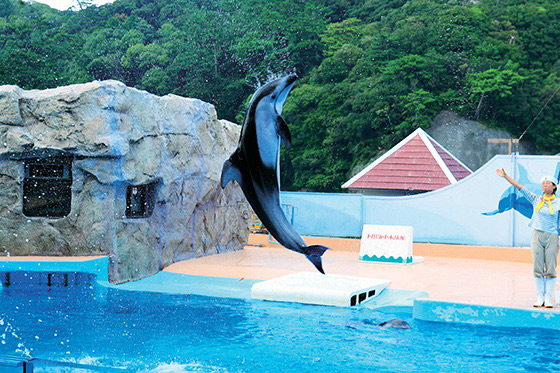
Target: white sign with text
386,243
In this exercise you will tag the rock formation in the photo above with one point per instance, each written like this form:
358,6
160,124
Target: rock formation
468,140
142,172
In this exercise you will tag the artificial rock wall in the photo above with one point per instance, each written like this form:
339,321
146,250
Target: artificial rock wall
468,140
116,137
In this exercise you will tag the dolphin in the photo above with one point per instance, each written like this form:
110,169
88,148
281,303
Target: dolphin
395,323
513,199
255,165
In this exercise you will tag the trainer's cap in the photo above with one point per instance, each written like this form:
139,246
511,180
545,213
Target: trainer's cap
549,178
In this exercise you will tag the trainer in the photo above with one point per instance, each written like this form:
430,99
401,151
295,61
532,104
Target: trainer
544,241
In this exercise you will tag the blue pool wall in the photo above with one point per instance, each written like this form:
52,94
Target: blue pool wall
453,215
395,301
96,266
475,314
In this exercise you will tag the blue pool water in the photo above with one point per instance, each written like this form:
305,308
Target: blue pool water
82,322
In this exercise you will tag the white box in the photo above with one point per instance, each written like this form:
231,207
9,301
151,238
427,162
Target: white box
316,288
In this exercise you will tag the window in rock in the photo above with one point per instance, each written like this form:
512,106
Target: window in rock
140,200
47,188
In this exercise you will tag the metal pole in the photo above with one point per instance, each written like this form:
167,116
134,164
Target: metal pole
513,197
362,214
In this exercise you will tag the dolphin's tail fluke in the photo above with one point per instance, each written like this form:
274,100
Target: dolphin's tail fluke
314,253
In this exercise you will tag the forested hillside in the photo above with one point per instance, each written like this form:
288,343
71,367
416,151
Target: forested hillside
371,71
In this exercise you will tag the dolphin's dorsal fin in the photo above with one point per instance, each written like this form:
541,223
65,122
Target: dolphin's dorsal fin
283,131
230,172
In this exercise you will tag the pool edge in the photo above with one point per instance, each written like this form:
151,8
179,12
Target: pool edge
416,303
98,266
478,314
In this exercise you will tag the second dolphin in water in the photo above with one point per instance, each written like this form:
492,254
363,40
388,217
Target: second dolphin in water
255,165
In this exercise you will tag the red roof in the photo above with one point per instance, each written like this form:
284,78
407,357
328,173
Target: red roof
459,170
416,163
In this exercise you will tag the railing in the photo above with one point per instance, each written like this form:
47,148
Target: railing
290,212
49,279
28,364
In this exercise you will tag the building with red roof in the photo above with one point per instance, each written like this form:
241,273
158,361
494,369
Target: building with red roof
415,165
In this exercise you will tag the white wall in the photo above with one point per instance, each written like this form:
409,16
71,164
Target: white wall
454,214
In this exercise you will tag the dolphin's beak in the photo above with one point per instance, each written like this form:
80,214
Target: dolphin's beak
284,89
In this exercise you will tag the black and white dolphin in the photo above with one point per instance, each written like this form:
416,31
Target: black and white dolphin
255,165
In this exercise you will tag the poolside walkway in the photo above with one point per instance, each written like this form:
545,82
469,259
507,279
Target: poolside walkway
493,276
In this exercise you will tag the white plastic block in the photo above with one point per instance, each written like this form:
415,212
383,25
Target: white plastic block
315,288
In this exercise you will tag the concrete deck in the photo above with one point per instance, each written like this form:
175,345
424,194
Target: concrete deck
493,276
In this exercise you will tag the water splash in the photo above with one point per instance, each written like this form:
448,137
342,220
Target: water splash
257,81
175,367
9,337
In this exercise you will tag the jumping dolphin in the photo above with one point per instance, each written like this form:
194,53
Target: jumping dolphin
255,165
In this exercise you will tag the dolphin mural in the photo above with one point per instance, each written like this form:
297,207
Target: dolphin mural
512,198
255,165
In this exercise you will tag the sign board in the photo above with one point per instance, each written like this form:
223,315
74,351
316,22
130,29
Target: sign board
386,243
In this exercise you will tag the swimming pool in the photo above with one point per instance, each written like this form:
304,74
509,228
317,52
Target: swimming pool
85,322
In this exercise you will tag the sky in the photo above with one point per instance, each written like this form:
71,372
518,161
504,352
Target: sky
65,4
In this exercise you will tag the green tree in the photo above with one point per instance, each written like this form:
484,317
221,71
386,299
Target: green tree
371,71
338,34
494,81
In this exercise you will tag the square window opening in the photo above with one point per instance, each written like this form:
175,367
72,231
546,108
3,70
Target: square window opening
47,187
140,200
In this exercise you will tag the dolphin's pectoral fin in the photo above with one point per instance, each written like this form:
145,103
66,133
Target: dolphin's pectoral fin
284,132
230,172
314,253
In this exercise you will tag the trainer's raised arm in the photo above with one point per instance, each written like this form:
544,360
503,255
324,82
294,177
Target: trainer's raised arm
502,173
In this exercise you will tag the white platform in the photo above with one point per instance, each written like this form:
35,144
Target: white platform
315,288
